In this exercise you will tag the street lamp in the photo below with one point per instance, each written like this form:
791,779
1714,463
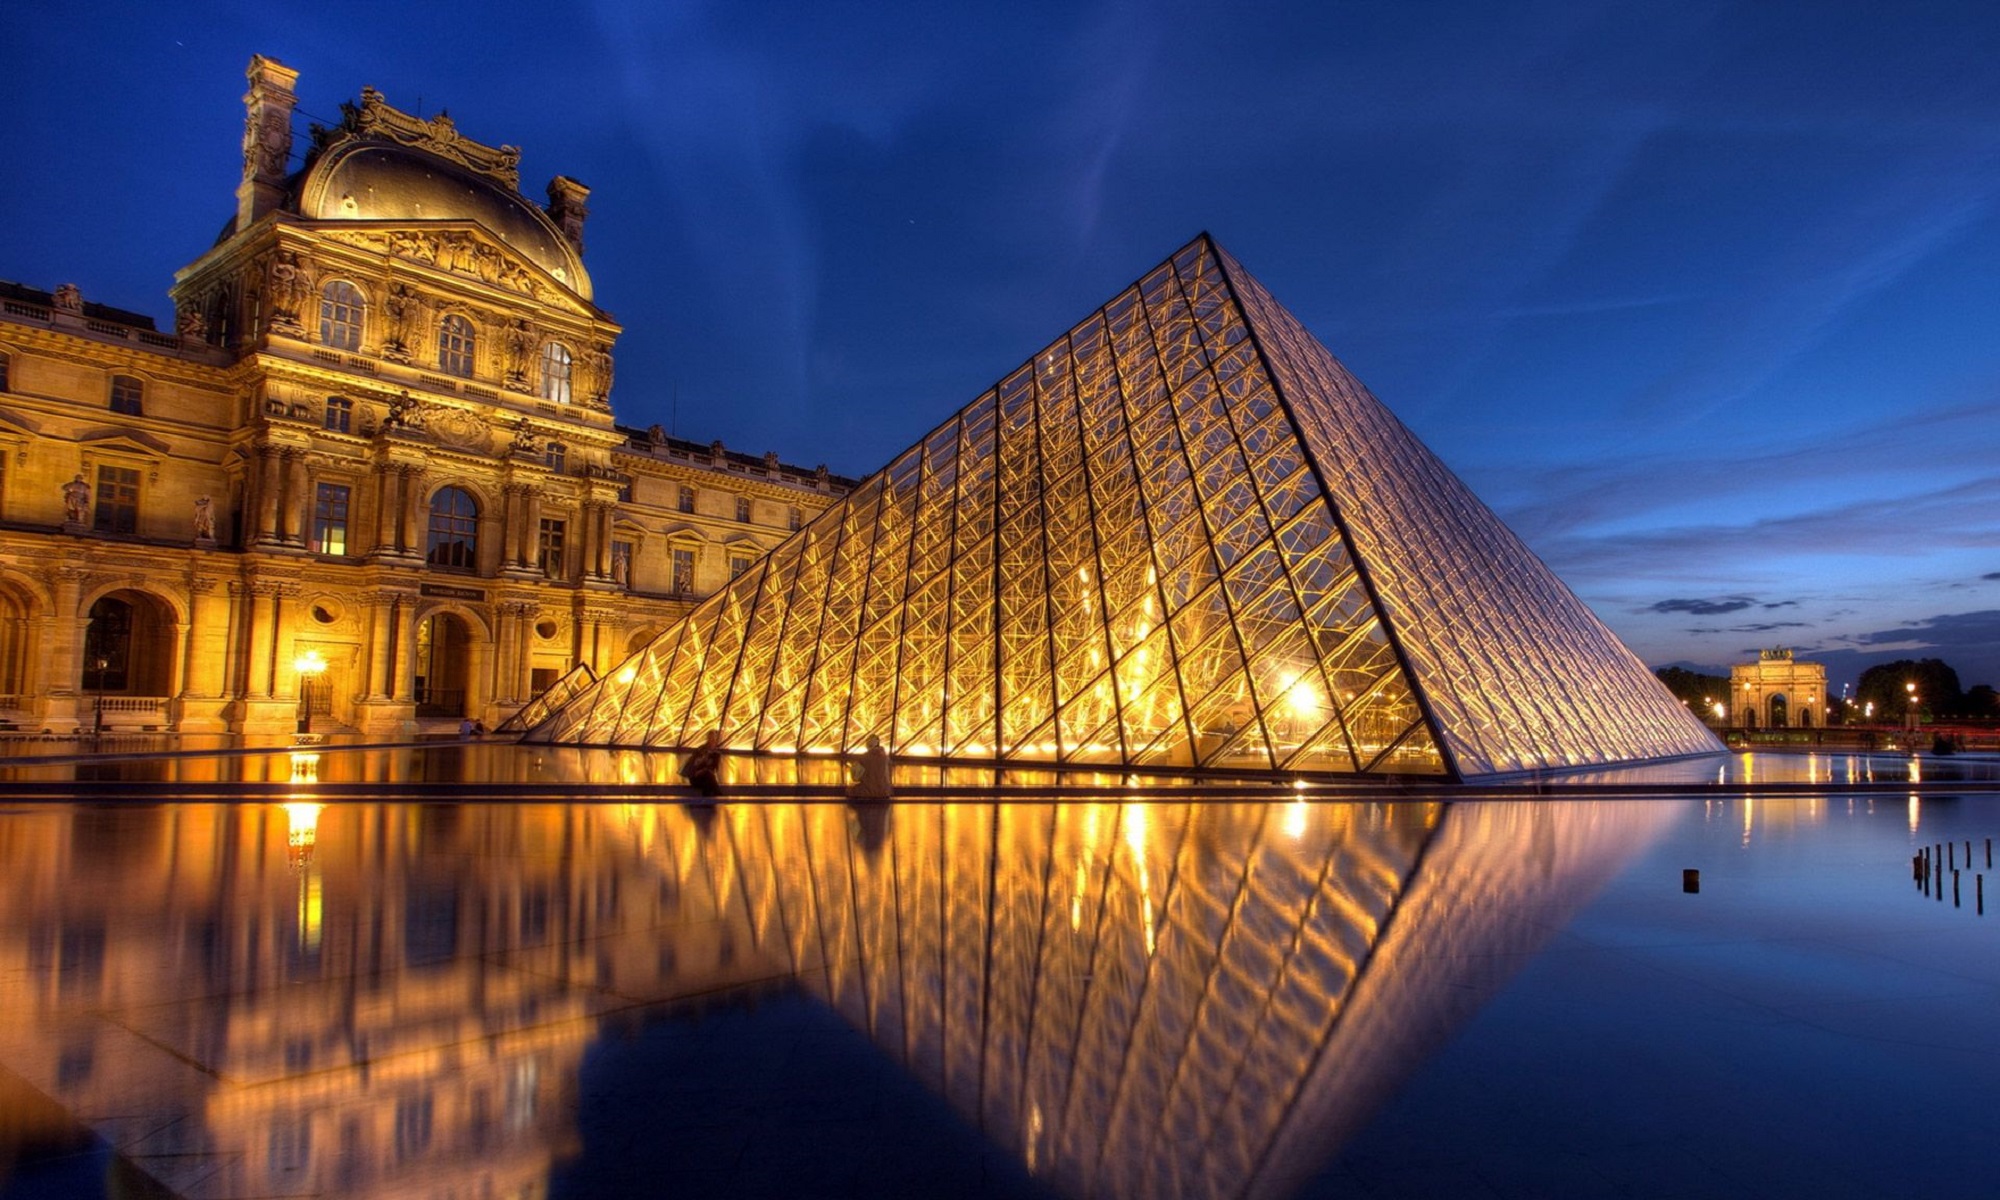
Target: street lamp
103,664
1911,689
308,665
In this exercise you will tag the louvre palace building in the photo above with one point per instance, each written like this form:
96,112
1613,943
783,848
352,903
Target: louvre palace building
372,474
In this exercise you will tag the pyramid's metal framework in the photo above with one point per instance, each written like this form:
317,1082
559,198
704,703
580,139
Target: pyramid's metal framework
1181,536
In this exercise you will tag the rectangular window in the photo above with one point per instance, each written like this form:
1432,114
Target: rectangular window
743,509
687,499
128,396
737,565
3,373
795,520
683,580
551,548
117,500
340,414
330,519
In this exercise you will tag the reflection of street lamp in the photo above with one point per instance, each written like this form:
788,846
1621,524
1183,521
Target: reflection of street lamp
308,665
103,664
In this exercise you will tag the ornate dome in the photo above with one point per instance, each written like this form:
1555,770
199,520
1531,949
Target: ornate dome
369,180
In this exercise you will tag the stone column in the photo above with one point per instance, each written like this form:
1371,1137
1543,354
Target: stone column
208,648
524,652
404,666
67,624
604,513
296,499
268,484
510,522
531,528
388,507
413,490
258,680
506,619
381,633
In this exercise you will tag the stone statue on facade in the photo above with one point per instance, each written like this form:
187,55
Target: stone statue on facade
405,412
76,501
400,306
520,337
287,290
190,324
525,441
69,298
204,520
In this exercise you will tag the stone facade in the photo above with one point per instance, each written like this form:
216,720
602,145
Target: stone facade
1777,692
379,437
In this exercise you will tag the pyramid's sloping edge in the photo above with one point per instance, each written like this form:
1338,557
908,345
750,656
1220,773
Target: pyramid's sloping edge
1519,673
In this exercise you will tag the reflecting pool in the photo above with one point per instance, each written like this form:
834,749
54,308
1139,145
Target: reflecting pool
1111,999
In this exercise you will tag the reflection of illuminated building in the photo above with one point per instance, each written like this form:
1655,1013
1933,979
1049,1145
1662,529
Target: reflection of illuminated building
1131,998
1180,536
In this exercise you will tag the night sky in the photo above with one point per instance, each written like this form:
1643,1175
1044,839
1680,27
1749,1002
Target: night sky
1701,297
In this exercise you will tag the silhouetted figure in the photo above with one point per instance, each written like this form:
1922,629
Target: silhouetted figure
872,780
702,768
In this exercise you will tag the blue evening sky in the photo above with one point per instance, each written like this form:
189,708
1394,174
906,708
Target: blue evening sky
1700,296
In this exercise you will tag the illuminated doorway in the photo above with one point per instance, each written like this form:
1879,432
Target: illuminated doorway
443,663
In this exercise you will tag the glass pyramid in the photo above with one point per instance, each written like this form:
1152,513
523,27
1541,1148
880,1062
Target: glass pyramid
1181,536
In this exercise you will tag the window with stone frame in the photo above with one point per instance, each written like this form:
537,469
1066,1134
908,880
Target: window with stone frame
457,344
454,530
549,547
329,528
795,520
683,575
738,565
743,509
686,499
117,500
339,414
556,457
556,370
341,307
128,395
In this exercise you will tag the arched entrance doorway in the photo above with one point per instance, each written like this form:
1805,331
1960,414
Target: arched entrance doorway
1780,715
443,665
128,659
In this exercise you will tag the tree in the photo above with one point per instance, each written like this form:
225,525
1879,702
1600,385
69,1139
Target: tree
1887,687
1699,692
1981,702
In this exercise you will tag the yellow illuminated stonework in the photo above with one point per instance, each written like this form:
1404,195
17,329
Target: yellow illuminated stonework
378,437
1180,536
1777,692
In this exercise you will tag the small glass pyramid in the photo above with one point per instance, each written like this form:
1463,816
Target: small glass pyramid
1180,537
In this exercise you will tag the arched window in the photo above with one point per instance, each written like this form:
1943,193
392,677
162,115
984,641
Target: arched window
128,396
340,309
555,372
454,541
455,346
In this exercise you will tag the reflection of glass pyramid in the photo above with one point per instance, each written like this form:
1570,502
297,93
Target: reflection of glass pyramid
1180,536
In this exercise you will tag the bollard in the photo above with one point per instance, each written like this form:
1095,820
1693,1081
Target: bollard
1690,881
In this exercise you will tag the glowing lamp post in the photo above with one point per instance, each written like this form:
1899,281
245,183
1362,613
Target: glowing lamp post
309,666
103,664
1911,690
